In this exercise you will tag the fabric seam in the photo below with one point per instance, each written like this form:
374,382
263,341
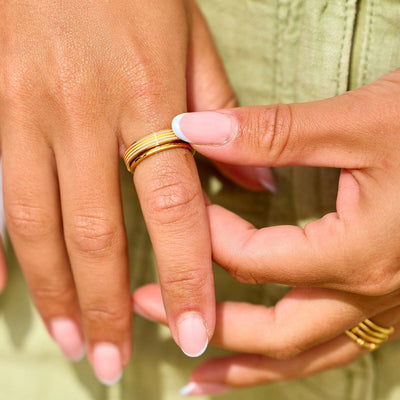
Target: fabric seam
371,16
339,68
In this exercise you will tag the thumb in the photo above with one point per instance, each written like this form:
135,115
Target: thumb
344,131
208,88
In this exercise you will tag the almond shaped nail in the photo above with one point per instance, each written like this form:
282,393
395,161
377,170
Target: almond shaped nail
107,363
66,333
206,127
192,334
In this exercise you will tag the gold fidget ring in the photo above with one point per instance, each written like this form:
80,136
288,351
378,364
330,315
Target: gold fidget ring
149,145
369,335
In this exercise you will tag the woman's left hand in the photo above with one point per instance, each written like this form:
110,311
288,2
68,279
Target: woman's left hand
301,335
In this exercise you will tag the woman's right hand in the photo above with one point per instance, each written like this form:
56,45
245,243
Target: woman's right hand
79,82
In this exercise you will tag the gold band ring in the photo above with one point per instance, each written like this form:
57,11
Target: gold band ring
369,335
149,145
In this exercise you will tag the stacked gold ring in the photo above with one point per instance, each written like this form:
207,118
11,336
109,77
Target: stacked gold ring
369,335
149,145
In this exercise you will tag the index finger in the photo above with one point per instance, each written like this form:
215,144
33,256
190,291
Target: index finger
302,319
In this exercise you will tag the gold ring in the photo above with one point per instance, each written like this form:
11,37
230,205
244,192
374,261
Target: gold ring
149,145
369,335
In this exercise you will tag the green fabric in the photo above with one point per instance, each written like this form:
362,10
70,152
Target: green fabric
274,51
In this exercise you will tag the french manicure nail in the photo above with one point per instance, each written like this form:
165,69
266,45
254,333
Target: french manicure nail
192,334
206,127
66,334
198,389
266,178
107,363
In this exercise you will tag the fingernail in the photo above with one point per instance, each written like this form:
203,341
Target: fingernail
192,334
139,310
206,127
198,389
266,178
66,334
107,363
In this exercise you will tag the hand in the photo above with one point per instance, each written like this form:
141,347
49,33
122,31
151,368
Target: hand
353,251
79,82
296,338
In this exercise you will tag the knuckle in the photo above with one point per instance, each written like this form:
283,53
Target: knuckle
143,80
378,280
148,89
76,104
74,89
250,271
28,221
185,282
58,294
272,125
171,201
116,317
16,82
243,275
69,75
285,351
288,344
93,234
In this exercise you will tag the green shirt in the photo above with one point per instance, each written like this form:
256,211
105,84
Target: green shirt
274,51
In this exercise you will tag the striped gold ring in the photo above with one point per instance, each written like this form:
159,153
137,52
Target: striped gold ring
369,335
149,145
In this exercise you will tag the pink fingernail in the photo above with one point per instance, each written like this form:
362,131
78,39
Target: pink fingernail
206,127
66,334
198,389
107,363
192,334
266,178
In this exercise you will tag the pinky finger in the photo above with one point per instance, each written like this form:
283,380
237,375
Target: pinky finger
219,375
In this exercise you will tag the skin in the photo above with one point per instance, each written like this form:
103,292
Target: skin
299,343
344,266
76,89
289,351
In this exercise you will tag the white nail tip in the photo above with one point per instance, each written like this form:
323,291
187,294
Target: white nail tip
269,186
197,354
110,383
188,389
80,357
177,129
